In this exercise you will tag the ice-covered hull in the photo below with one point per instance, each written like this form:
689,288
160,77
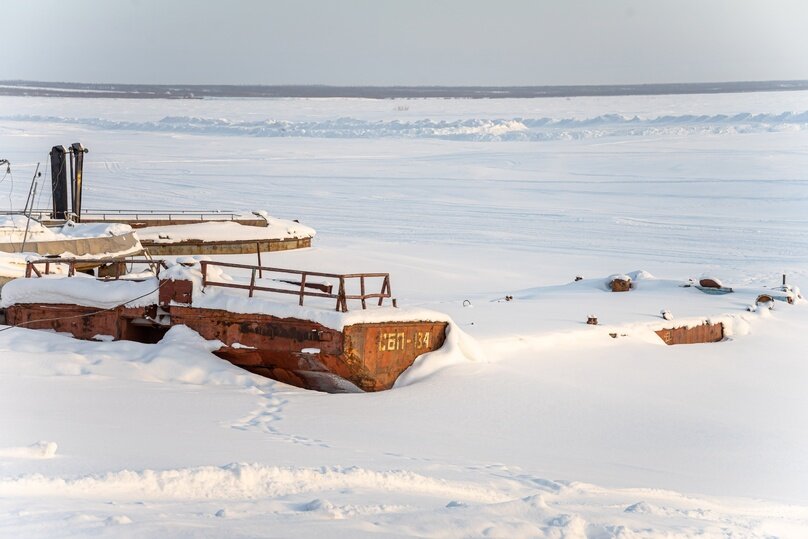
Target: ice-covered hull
365,356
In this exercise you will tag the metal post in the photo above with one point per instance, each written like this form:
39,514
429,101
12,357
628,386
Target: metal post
31,198
77,156
252,282
341,303
59,181
302,287
385,289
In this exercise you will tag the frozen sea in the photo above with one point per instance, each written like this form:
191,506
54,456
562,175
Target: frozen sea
560,432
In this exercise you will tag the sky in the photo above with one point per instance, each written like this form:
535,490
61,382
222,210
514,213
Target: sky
397,42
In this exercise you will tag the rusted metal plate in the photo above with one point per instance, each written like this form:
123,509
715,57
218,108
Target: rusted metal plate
710,283
301,352
179,291
232,247
85,322
704,333
621,285
383,351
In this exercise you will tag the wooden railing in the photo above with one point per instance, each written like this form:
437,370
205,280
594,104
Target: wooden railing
115,264
303,284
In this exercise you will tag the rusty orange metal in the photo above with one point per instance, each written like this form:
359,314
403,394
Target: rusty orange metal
179,291
367,356
299,352
709,283
310,355
120,323
227,247
621,285
704,333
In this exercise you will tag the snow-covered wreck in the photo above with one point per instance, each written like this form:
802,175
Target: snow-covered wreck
321,345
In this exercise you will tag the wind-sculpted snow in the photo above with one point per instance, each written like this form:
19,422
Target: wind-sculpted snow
478,129
243,481
359,502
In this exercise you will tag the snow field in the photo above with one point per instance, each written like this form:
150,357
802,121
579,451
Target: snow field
556,430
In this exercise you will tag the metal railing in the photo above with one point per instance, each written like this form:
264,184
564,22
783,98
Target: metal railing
302,292
136,215
115,264
202,215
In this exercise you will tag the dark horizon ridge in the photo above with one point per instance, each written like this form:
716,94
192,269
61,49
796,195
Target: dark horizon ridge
201,91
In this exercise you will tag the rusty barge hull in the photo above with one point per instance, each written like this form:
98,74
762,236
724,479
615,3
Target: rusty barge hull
367,356
230,247
89,323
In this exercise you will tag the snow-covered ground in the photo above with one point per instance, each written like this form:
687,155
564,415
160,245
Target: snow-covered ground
555,429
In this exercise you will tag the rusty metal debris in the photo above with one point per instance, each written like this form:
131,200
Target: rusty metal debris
704,333
620,284
713,286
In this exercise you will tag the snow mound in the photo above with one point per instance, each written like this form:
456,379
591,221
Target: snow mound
80,290
241,481
181,357
458,347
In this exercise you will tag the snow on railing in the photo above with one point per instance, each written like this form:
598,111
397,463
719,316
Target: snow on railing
115,267
303,283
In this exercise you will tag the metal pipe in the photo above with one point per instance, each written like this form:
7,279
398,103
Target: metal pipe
31,198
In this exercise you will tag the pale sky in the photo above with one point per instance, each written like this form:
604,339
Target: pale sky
412,42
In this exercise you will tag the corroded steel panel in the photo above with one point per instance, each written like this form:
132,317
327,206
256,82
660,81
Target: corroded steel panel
268,345
704,333
232,247
709,283
304,353
80,321
621,285
177,290
385,350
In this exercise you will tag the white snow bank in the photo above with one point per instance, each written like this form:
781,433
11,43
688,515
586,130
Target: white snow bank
240,481
182,356
477,128
277,229
459,347
13,229
12,265
78,241
80,290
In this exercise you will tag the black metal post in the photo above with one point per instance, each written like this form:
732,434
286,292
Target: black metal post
59,181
